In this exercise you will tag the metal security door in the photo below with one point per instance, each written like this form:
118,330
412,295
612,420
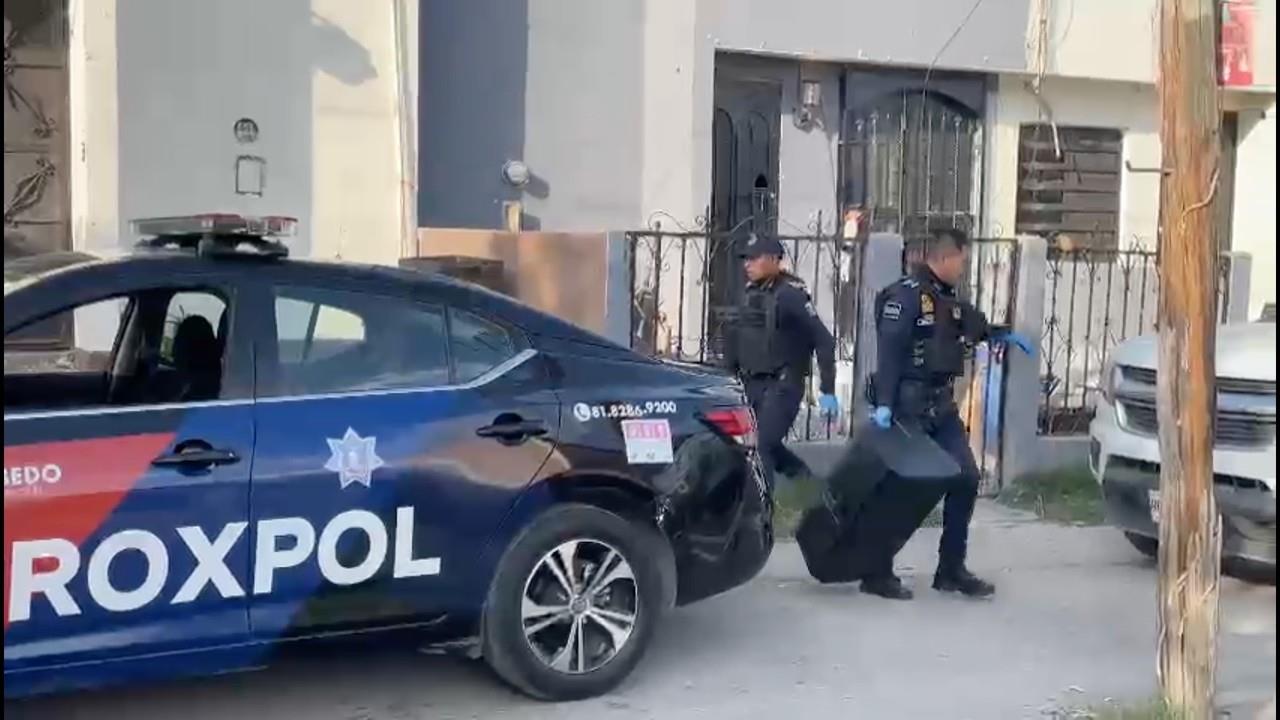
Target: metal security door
744,183
911,159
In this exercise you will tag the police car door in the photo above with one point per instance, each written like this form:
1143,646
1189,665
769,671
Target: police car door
126,466
387,456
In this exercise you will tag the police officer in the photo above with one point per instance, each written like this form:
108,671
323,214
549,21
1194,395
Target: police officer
775,337
923,332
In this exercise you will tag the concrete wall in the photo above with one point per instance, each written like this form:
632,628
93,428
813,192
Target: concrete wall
154,110
1254,229
1100,39
678,89
907,32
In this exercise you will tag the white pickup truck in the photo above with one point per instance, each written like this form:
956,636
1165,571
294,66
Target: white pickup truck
1125,454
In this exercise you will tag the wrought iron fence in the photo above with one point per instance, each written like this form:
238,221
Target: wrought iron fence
1095,300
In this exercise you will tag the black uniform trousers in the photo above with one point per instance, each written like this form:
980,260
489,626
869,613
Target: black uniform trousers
943,424
776,401
962,493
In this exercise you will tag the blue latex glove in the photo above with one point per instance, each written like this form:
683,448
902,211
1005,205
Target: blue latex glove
1017,339
830,405
882,417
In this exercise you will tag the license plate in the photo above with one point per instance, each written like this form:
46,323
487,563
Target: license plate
1153,501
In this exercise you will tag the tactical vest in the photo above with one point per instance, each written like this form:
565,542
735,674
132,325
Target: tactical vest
944,346
756,332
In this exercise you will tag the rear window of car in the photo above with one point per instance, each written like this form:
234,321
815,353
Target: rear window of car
333,342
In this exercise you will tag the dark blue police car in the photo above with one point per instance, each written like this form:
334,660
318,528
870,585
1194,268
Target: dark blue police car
224,452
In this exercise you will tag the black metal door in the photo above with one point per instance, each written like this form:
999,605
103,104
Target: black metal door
744,180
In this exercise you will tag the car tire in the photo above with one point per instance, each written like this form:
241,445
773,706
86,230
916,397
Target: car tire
1148,546
532,619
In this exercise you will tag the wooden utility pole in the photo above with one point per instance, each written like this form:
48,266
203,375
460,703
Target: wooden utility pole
1190,529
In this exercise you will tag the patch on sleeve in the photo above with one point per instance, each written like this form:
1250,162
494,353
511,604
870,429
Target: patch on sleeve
809,308
892,310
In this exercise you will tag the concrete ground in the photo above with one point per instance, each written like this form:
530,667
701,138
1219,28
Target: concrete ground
1073,625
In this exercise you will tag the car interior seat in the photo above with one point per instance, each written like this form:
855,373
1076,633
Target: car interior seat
198,360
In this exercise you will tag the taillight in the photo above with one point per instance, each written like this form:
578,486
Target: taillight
738,423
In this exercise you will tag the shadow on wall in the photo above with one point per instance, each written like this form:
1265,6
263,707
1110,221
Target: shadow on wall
338,54
180,93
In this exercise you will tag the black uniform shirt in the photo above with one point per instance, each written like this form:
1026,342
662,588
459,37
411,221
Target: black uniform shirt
796,335
922,333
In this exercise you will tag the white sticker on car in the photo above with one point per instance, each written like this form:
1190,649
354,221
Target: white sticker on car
648,442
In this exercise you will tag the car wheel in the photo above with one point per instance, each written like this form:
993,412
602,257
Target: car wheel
1146,545
574,603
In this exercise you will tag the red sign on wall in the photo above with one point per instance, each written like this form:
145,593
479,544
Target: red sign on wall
1236,61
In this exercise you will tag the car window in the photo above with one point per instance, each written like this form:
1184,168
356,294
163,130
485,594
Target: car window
155,348
478,345
333,342
312,331
94,329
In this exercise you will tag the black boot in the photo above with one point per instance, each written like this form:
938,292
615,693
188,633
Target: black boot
960,580
886,586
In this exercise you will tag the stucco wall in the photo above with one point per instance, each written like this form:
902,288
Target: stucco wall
1254,229
153,113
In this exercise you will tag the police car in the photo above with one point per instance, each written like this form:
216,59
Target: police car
240,452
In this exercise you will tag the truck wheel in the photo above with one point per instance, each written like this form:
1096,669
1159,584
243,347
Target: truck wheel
1146,545
574,603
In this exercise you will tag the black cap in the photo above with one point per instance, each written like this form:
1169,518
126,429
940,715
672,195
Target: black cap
760,246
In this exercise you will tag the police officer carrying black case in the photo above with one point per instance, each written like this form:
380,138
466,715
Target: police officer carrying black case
924,333
892,474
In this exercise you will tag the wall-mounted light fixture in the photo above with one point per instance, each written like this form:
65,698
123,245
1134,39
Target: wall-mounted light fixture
807,115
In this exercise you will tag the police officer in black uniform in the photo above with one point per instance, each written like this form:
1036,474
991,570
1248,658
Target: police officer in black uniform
773,340
923,333
770,348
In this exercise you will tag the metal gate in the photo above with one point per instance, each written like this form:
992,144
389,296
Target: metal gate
37,207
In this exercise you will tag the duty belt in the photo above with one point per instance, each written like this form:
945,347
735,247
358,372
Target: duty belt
924,399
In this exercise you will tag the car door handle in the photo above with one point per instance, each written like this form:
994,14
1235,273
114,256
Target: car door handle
196,457
513,430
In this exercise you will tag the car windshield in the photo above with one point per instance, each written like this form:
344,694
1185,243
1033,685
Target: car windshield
24,270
